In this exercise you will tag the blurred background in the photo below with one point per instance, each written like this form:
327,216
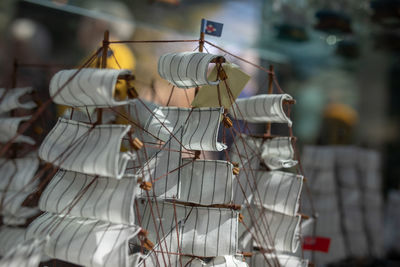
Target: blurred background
339,59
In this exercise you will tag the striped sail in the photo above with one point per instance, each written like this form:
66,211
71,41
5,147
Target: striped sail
86,87
276,152
261,109
187,69
26,254
279,191
201,125
104,199
11,99
206,182
162,169
9,128
207,232
16,174
274,230
84,241
85,148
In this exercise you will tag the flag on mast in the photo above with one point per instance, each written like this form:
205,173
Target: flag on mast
211,27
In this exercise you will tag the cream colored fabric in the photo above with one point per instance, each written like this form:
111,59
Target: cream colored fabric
88,88
225,93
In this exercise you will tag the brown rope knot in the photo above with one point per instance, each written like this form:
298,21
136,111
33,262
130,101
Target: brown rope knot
227,121
197,154
241,217
147,244
136,144
145,185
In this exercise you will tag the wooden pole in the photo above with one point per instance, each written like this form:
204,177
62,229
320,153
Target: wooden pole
201,42
270,91
201,48
106,44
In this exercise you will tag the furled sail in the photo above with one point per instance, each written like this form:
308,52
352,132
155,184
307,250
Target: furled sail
9,128
86,87
187,69
202,235
86,148
11,99
16,174
261,108
105,199
84,241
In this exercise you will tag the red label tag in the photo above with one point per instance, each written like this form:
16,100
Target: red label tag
317,243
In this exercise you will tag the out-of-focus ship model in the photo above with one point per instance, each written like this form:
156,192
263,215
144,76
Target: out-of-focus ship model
17,169
151,192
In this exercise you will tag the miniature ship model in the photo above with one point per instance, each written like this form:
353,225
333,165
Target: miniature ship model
17,170
144,194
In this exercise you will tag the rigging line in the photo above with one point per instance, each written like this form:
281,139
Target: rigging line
265,224
174,170
170,95
130,120
151,41
240,58
177,231
187,97
156,201
265,257
244,194
43,107
163,125
139,219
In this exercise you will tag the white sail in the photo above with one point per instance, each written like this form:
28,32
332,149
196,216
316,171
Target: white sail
16,174
11,99
274,230
206,182
163,169
27,254
9,128
261,109
279,191
86,148
9,238
207,232
276,152
84,241
89,115
284,260
201,125
187,69
104,199
11,204
89,88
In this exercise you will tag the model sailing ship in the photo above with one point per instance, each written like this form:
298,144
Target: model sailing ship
144,194
17,169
